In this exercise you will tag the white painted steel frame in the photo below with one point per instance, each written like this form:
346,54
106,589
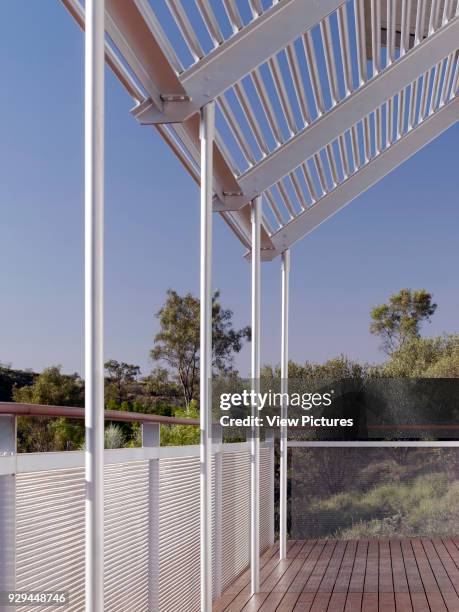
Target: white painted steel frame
170,91
94,303
251,46
207,133
367,176
347,113
167,74
285,269
255,374
209,77
183,138
8,516
38,467
39,462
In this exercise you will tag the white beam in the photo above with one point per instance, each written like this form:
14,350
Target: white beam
345,114
75,8
133,12
130,24
367,176
251,46
138,33
207,141
94,303
284,408
255,433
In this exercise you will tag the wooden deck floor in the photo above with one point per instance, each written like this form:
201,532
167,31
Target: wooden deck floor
418,575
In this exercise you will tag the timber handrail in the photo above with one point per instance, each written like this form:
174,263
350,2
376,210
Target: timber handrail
71,412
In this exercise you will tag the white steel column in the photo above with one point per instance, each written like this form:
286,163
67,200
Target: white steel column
207,141
94,251
284,406
8,441
255,438
151,438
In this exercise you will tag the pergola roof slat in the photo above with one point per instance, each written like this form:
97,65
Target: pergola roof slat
364,178
306,100
345,114
251,46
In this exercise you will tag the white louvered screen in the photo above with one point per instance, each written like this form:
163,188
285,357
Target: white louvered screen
235,527
266,498
179,542
151,521
126,537
50,535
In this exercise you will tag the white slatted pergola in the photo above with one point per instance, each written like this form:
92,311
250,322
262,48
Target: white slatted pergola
287,110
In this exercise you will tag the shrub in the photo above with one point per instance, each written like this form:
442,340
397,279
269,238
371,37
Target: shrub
114,437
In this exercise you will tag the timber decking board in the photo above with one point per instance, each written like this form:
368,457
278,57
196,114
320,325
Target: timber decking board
396,575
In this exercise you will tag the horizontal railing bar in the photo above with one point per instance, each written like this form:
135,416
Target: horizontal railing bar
395,427
70,412
375,444
65,460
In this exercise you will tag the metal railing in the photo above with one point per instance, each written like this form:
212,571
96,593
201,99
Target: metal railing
151,531
72,412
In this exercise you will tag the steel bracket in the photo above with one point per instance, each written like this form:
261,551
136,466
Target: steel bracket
174,109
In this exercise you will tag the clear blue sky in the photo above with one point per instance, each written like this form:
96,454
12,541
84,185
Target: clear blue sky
401,233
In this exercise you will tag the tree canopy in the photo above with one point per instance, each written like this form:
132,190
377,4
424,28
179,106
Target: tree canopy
424,358
51,387
120,376
177,342
171,388
400,319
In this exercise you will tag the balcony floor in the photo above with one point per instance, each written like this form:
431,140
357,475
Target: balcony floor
416,575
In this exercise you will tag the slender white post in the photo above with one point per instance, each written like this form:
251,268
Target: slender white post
8,437
284,406
218,519
207,140
255,439
94,250
151,437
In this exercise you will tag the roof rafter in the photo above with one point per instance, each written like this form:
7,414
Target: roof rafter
364,178
251,46
271,138
173,98
348,112
224,180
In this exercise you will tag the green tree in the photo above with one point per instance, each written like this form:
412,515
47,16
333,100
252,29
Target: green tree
121,375
51,387
159,384
424,358
180,435
311,375
400,319
177,342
